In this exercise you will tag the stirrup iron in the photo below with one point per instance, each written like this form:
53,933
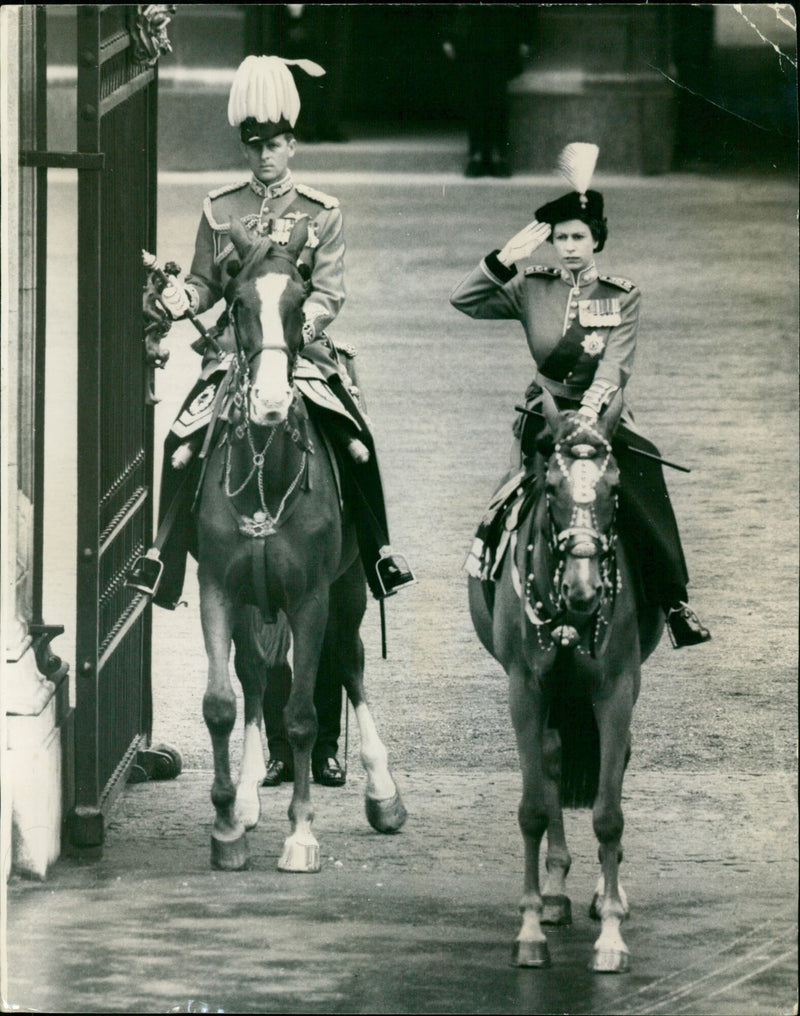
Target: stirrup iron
146,573
404,576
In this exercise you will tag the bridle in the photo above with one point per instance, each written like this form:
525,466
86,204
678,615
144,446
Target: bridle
262,523
245,359
545,605
583,528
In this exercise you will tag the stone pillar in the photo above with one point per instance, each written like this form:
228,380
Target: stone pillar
597,73
34,703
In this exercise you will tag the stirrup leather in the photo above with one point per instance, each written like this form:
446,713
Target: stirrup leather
146,573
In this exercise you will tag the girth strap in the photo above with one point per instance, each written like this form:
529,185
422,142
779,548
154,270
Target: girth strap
258,569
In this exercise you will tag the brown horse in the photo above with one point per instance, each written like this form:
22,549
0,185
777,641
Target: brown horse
564,620
276,548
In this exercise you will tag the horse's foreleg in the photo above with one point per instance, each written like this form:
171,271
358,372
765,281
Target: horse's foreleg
301,850
530,948
254,652
557,908
228,845
614,716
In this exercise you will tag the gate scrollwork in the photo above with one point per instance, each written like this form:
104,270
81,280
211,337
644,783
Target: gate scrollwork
148,28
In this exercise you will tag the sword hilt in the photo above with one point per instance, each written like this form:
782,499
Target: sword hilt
151,263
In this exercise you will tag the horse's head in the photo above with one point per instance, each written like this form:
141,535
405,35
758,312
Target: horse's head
581,488
265,299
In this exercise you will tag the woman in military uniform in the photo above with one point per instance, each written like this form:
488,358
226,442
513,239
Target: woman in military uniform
264,105
581,330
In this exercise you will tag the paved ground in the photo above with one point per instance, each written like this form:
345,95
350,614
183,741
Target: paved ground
423,922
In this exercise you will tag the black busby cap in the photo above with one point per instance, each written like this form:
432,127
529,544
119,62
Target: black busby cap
264,100
572,206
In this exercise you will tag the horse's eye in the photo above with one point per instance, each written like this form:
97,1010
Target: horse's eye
233,268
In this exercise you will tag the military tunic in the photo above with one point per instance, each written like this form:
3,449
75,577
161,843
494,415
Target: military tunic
581,331
270,210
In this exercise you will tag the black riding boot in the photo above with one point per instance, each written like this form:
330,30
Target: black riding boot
647,524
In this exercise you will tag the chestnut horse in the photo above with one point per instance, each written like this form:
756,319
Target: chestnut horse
567,626
275,547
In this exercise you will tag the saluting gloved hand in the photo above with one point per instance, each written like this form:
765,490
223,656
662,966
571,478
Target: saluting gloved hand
524,243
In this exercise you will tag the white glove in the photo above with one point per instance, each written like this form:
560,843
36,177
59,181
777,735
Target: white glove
175,300
588,413
524,243
309,332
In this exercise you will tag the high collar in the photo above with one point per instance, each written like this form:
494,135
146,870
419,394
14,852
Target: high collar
273,190
584,277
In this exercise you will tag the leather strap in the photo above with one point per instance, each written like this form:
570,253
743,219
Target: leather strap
168,521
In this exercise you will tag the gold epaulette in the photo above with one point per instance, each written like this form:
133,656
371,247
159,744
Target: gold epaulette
615,280
314,195
543,270
229,188
226,189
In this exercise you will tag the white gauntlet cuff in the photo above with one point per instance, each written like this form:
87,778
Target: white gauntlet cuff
598,395
193,297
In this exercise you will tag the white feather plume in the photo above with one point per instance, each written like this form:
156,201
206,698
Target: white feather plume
263,87
577,163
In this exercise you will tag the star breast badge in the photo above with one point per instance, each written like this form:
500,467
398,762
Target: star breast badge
594,344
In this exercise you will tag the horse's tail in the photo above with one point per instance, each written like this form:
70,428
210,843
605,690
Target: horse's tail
571,714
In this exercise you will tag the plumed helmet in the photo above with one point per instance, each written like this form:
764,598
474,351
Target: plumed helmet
577,163
264,101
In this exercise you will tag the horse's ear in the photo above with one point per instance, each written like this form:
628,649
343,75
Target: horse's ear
551,413
610,418
240,237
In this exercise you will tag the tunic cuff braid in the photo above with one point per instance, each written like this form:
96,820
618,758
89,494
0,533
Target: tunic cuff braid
496,270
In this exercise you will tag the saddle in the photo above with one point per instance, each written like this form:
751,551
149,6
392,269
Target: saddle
510,504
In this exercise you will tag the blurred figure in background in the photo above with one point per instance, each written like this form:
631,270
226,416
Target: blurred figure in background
488,44
318,32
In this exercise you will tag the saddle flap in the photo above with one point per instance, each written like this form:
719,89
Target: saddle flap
313,385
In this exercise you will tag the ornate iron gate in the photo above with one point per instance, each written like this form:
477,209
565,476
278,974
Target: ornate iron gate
117,127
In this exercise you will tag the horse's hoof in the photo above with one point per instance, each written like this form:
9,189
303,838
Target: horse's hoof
298,856
610,961
386,816
530,954
229,855
556,910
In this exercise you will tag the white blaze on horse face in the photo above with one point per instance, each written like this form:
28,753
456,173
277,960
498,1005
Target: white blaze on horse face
271,394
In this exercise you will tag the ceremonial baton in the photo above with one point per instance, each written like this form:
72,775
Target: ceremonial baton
151,264
635,451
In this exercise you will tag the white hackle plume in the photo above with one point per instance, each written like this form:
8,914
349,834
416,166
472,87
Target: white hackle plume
577,163
263,88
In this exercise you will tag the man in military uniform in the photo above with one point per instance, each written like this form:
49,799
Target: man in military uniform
264,105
